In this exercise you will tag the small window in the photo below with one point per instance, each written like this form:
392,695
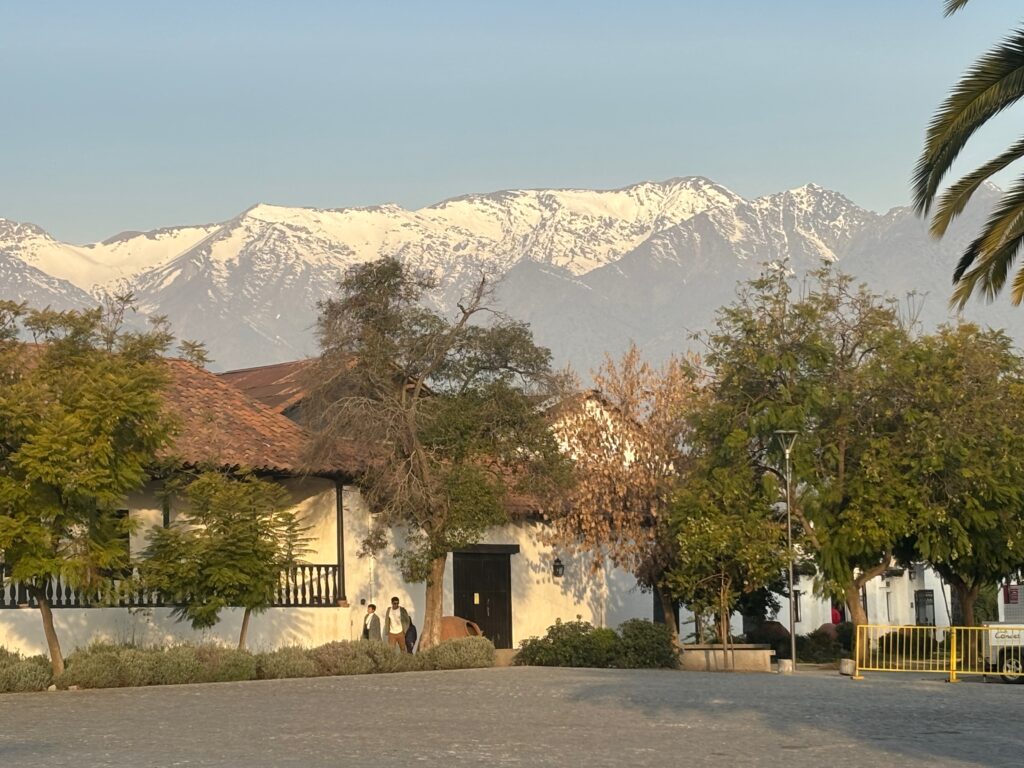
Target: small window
924,608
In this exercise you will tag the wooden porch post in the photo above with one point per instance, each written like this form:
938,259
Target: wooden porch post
340,527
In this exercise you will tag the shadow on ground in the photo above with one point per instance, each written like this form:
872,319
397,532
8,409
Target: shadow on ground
898,716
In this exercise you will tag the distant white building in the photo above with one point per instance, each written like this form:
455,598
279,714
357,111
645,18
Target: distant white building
900,596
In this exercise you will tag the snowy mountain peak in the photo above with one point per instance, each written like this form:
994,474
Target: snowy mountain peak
590,269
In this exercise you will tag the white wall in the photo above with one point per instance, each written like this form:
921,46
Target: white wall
605,598
314,500
538,598
890,600
21,629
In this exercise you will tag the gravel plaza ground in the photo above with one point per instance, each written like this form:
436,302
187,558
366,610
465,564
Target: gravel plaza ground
524,717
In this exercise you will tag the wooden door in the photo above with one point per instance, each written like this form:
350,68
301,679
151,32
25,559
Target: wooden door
483,593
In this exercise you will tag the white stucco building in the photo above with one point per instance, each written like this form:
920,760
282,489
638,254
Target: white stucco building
506,584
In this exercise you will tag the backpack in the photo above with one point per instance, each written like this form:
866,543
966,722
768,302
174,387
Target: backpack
410,637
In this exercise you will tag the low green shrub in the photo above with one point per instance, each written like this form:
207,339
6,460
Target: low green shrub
908,643
461,653
9,657
771,633
386,659
638,644
818,647
646,645
343,658
103,665
223,665
571,644
19,675
845,634
136,666
106,666
285,662
93,667
177,665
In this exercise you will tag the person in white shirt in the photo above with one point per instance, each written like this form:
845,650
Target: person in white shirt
396,622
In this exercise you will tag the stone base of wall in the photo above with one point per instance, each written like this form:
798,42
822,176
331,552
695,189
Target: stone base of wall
21,629
742,658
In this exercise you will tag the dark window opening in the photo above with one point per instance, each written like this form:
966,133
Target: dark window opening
924,608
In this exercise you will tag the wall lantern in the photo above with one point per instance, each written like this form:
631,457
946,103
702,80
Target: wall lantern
558,568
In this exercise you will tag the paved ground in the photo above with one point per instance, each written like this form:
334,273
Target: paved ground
524,717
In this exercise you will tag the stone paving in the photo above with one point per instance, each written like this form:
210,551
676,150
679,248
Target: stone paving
524,717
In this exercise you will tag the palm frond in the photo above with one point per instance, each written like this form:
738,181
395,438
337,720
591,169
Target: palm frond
993,83
952,6
954,199
986,262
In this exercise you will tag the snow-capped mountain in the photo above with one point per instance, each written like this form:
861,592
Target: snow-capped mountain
589,269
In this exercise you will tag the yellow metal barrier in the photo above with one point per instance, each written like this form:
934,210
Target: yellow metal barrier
953,651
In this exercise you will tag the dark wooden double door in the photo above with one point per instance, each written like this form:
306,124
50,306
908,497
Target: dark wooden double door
483,593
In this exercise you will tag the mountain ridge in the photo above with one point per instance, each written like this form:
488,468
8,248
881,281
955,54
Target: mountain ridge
589,269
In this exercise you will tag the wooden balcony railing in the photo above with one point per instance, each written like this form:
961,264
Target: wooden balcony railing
312,585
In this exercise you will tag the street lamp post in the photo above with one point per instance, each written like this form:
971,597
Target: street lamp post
786,438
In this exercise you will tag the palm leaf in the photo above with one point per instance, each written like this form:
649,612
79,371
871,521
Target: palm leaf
993,83
952,6
986,262
954,199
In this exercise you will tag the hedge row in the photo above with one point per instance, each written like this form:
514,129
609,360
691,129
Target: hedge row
817,647
638,644
19,674
103,665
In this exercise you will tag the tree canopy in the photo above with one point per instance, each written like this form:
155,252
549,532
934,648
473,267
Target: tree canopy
448,407
81,425
966,427
628,443
228,548
818,362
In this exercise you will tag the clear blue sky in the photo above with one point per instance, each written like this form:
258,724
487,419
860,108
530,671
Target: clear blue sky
133,115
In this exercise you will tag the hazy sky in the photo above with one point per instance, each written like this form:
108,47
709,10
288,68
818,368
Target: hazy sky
135,115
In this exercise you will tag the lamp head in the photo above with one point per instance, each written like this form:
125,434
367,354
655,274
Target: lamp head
786,438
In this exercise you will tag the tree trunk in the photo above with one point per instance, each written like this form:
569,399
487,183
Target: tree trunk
245,629
723,618
969,648
968,597
858,616
857,613
430,633
52,643
669,612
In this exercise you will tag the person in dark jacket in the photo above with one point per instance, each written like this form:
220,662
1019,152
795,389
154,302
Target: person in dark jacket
371,624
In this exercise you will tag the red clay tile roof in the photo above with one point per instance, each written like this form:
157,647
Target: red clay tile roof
222,425
277,386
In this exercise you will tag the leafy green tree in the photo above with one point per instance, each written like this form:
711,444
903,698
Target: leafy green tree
966,420
448,406
818,363
993,83
81,424
228,549
729,539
